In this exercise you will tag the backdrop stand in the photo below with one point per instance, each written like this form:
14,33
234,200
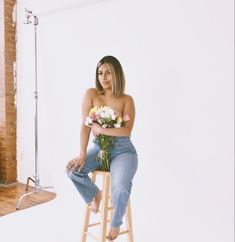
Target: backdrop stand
37,188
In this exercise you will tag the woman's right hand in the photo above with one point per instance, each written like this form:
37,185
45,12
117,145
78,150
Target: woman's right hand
76,163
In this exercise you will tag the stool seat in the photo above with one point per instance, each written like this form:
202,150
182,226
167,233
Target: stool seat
105,210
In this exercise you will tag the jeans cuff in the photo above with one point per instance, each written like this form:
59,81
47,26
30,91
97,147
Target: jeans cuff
114,224
88,201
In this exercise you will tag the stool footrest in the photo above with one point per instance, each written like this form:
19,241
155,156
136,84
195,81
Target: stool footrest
95,224
124,232
110,208
98,223
100,211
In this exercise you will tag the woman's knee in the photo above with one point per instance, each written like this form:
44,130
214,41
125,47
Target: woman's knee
122,188
69,174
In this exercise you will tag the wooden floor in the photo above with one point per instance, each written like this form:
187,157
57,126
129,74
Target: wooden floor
10,195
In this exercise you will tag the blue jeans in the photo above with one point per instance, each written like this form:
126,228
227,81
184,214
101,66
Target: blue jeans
123,167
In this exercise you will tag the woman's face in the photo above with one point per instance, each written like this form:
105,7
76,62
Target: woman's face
105,77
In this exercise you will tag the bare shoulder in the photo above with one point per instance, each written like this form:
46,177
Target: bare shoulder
128,99
89,97
91,93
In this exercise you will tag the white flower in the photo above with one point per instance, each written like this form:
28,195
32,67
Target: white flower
102,114
112,115
106,112
117,125
99,121
88,121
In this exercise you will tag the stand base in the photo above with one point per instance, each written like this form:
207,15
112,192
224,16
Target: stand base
38,188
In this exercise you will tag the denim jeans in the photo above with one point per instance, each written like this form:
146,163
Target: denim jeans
124,162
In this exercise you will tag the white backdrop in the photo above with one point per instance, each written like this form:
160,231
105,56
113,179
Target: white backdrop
178,61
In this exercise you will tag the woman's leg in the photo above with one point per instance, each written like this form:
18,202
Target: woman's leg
123,168
87,189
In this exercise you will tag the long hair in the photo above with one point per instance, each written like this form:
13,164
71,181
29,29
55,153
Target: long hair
118,78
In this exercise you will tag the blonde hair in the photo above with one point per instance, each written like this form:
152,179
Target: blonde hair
118,78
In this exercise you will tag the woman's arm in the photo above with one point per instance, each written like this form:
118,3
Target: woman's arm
85,131
129,109
79,161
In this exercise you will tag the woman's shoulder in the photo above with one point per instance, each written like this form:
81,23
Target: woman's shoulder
91,92
127,98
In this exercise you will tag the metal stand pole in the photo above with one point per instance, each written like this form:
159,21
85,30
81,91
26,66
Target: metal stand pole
36,179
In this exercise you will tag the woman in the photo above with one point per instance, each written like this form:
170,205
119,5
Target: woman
109,91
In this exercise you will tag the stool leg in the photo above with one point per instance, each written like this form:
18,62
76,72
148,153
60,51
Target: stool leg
129,222
87,217
104,209
110,202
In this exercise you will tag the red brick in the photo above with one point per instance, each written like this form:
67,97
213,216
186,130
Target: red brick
7,94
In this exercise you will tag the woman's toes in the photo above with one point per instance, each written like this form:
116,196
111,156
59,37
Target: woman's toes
113,233
95,204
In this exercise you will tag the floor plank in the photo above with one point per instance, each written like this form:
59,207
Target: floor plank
9,197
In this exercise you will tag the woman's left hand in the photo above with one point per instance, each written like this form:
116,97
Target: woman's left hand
96,129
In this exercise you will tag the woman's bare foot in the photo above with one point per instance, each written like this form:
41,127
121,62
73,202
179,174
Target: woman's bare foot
95,204
113,233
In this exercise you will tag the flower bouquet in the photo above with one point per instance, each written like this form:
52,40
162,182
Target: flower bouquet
106,117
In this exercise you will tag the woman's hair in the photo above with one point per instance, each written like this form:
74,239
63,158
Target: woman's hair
118,78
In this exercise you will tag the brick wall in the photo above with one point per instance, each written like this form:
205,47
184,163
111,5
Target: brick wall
7,93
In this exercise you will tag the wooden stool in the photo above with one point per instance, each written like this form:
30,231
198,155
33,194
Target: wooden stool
105,208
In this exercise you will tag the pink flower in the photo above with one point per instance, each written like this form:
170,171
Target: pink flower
116,114
126,117
97,116
93,116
